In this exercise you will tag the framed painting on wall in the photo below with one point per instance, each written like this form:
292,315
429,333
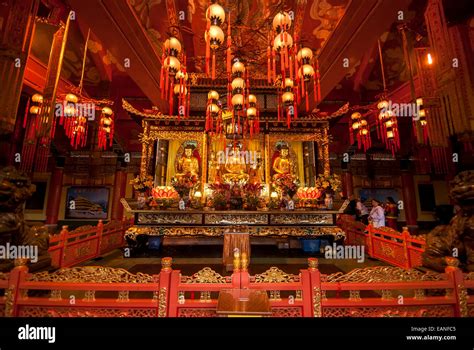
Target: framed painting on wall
87,203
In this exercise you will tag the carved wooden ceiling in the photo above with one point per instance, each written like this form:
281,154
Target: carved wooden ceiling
314,21
335,29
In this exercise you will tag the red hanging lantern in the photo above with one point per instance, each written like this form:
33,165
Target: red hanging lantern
214,36
106,128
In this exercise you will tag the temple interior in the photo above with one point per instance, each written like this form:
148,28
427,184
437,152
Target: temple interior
276,158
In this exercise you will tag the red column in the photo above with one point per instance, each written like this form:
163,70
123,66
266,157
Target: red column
409,199
120,184
348,187
54,196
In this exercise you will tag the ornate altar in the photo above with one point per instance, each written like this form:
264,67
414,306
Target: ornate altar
253,165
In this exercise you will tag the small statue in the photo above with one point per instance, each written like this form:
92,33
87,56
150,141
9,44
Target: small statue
283,164
213,172
15,189
187,164
455,240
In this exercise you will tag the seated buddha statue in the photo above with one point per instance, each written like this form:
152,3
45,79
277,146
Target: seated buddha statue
235,167
187,164
283,164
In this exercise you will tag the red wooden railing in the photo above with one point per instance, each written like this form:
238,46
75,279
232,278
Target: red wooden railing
368,292
383,243
69,248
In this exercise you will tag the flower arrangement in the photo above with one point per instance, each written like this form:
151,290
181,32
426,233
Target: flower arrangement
286,184
184,184
142,184
251,196
220,197
329,183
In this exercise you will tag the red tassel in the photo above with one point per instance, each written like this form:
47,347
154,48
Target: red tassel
269,55
274,65
171,97
213,66
291,66
229,44
307,103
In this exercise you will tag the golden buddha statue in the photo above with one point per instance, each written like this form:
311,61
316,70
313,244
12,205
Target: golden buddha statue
235,167
283,164
187,164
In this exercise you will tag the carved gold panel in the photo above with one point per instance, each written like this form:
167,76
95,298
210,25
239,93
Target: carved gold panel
295,219
169,218
236,219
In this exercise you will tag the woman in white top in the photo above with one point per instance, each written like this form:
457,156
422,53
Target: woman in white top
377,214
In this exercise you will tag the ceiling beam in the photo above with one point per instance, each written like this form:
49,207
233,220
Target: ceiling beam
360,27
117,26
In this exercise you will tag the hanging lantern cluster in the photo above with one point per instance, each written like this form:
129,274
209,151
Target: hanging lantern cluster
308,74
360,127
181,90
288,103
170,67
299,69
253,116
106,128
213,113
387,126
239,101
73,120
214,36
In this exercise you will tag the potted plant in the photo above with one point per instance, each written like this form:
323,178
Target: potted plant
184,184
329,184
143,186
251,196
220,197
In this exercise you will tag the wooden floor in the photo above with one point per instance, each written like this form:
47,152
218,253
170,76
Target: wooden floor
190,259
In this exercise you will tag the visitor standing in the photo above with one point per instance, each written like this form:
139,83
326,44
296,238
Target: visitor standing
391,213
377,214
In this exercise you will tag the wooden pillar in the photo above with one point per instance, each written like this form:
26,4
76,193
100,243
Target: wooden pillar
119,192
204,163
409,199
348,187
327,165
17,19
145,149
267,160
54,196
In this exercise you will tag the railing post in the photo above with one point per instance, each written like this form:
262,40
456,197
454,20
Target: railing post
164,284
405,236
17,276
240,277
100,231
459,289
313,296
370,245
63,235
